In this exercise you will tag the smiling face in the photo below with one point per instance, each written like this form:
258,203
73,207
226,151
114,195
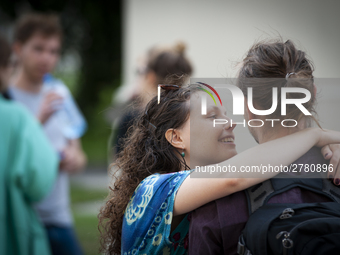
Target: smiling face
208,144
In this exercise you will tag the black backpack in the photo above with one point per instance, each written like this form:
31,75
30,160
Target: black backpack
304,229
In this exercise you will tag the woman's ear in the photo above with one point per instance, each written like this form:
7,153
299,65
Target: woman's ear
174,138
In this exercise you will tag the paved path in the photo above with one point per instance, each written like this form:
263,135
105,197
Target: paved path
88,208
91,179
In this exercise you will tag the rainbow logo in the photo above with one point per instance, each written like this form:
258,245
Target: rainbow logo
204,99
209,93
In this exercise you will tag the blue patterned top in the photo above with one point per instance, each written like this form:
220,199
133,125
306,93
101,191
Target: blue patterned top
148,216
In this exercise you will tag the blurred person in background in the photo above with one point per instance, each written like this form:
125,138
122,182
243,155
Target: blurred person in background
28,169
37,44
159,63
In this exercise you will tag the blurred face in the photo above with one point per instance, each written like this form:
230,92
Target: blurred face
209,144
146,82
141,72
39,55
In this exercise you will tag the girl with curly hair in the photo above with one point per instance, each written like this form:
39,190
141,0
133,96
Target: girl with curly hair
148,209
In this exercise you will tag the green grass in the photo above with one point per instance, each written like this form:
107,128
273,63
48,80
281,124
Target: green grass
88,234
82,195
87,225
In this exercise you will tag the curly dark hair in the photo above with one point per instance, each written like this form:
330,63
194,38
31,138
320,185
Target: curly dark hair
146,151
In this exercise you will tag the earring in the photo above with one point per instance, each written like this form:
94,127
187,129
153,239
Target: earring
183,154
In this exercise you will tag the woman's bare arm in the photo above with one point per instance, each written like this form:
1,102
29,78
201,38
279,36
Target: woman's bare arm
195,192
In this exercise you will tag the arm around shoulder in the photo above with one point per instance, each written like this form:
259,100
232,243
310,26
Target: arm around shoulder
195,192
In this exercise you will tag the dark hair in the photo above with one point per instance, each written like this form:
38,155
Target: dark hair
47,25
165,61
146,151
5,54
270,62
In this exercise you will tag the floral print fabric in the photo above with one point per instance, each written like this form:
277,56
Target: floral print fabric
148,216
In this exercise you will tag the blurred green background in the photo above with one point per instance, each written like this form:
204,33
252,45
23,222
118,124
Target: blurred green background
86,221
91,58
90,66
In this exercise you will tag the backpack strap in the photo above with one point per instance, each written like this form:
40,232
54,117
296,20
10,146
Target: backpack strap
331,190
242,248
259,194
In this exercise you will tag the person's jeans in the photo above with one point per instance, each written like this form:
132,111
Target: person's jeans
63,241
